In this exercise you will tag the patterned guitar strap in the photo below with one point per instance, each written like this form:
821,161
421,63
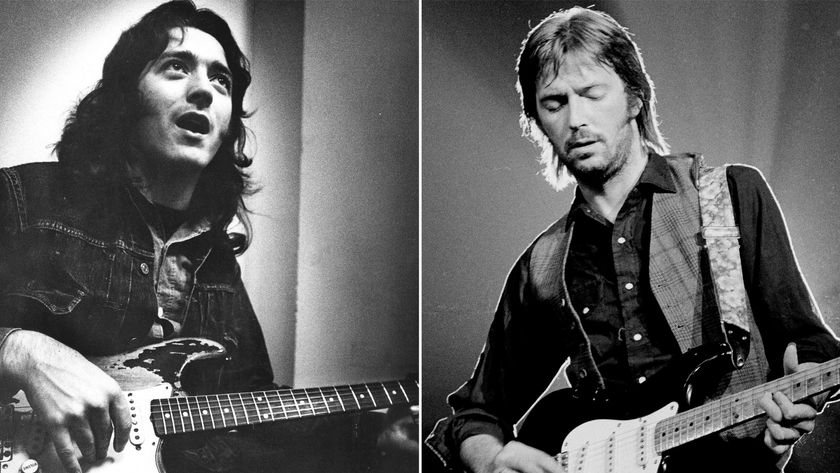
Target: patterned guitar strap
720,236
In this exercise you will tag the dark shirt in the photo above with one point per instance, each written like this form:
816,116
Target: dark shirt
607,276
528,336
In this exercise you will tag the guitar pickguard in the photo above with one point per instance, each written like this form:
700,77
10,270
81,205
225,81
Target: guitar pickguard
29,443
610,446
145,374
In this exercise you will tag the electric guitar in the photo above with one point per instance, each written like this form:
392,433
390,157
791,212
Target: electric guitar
638,445
149,377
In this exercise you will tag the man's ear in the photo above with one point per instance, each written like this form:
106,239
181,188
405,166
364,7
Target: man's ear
635,106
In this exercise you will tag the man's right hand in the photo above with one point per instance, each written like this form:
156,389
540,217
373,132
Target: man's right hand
78,403
485,454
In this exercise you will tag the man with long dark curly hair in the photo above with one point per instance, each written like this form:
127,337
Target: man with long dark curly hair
124,242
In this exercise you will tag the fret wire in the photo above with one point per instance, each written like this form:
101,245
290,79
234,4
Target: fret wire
399,383
162,417
293,403
268,401
339,399
260,414
266,396
371,395
221,411
244,409
171,414
189,413
232,411
325,400
309,401
200,417
355,397
386,393
210,411
282,404
314,405
333,403
183,427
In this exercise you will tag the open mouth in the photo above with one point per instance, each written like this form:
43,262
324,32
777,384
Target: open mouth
194,122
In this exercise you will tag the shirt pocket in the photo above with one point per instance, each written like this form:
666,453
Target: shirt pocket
66,289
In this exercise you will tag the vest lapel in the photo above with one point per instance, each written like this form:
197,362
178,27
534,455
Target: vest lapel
675,262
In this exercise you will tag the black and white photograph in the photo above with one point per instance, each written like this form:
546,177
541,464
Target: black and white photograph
209,236
394,236
551,171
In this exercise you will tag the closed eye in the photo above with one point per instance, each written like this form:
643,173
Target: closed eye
553,104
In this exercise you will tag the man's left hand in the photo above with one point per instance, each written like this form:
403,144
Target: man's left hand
787,421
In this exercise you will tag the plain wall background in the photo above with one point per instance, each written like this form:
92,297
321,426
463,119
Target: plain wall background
750,82
335,153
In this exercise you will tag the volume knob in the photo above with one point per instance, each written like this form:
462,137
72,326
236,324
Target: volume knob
29,466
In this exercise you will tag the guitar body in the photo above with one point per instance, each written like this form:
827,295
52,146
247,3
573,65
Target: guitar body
144,375
609,446
150,378
681,384
576,427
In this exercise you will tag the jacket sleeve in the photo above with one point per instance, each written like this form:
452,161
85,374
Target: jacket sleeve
482,405
249,367
8,227
782,303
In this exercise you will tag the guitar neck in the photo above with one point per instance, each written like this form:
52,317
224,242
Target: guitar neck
734,409
222,411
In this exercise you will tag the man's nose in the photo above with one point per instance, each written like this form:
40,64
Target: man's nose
200,92
576,108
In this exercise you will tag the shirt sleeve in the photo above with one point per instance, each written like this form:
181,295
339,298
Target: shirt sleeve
781,302
481,405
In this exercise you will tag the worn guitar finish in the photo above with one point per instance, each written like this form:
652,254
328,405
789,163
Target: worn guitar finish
637,445
149,377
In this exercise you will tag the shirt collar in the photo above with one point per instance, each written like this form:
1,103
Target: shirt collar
656,178
148,213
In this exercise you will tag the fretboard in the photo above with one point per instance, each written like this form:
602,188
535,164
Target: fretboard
222,411
730,410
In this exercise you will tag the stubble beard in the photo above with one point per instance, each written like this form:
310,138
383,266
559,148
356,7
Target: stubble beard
597,176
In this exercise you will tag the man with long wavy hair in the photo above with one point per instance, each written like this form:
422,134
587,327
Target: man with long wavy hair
621,286
124,242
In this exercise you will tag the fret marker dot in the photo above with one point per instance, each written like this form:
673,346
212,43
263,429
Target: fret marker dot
362,396
186,414
204,412
332,399
166,415
302,403
266,416
226,410
394,392
259,398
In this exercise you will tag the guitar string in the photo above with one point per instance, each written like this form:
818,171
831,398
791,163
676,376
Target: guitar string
290,397
674,435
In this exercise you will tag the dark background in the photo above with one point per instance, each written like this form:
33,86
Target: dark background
748,82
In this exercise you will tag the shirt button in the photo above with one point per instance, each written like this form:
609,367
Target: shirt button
585,310
637,337
641,379
144,268
621,240
628,286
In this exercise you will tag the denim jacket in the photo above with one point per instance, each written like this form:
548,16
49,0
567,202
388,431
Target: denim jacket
76,263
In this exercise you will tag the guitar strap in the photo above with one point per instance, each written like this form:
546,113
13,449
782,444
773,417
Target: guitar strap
720,237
